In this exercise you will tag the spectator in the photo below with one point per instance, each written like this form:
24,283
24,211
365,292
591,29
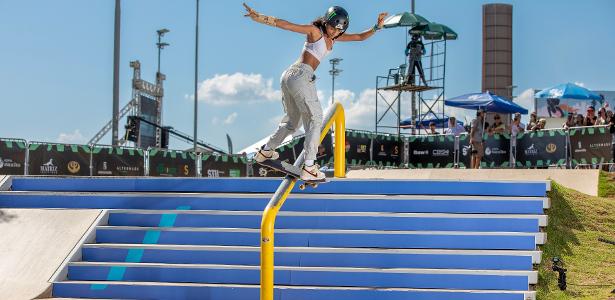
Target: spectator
532,122
497,127
602,118
609,115
517,126
612,131
476,139
570,122
454,128
591,119
432,128
580,121
542,123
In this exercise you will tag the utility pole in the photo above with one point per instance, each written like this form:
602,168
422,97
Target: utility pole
196,75
116,73
413,104
334,72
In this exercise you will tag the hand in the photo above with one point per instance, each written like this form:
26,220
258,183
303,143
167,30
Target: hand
250,12
381,17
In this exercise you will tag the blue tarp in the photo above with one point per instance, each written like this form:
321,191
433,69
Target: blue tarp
486,101
426,119
568,91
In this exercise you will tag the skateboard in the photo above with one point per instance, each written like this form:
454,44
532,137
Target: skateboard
291,171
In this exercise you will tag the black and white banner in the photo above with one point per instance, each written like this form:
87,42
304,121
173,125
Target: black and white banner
58,159
432,151
12,157
117,161
387,151
358,147
223,165
590,145
541,149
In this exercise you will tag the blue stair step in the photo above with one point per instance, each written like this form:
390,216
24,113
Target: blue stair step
306,276
265,185
316,257
322,238
186,291
257,202
328,220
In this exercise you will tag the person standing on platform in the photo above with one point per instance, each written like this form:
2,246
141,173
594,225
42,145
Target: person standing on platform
476,139
415,51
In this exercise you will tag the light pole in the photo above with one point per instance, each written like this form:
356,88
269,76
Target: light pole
116,73
196,75
334,72
160,45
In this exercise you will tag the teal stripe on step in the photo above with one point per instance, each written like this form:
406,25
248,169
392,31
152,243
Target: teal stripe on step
135,255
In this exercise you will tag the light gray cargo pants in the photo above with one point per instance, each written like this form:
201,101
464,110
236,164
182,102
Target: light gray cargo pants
300,103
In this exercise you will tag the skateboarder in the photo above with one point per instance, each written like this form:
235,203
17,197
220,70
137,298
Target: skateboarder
299,95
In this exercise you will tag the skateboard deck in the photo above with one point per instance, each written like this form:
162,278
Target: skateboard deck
291,171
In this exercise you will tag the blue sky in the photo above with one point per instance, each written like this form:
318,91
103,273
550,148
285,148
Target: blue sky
56,59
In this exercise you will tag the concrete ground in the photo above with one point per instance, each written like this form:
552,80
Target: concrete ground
34,244
584,181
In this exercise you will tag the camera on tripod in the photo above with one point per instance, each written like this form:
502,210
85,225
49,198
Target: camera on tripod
557,266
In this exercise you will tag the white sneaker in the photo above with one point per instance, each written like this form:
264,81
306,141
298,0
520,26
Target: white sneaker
312,173
263,155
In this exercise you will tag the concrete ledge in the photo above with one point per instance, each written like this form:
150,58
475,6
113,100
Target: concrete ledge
584,181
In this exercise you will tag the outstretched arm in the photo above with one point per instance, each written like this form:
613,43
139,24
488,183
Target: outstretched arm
349,37
275,22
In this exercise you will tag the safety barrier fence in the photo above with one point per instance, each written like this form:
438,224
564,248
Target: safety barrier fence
576,147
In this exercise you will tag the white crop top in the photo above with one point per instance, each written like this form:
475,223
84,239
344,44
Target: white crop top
318,48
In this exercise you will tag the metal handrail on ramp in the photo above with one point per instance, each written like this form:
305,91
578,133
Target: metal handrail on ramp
335,115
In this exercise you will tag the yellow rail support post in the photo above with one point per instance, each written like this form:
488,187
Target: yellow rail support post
335,114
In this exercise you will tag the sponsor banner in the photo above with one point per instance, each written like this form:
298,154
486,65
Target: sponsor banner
590,145
172,163
358,147
497,151
223,165
432,151
324,155
58,159
117,161
12,157
541,149
387,151
465,151
287,151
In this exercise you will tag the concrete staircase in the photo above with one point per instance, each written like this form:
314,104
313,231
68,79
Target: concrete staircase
163,238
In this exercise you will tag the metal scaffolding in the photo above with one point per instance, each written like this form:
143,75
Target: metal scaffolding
427,101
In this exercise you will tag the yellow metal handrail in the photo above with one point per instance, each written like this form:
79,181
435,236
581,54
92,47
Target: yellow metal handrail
335,115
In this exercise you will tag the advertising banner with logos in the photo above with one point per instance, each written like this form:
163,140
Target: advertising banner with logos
387,151
117,161
358,147
12,157
590,145
287,151
432,151
496,151
325,150
541,149
171,163
223,165
58,159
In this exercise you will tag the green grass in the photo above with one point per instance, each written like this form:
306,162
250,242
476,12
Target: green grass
606,186
576,222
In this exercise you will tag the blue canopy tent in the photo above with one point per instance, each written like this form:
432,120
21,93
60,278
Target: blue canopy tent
425,120
568,91
487,101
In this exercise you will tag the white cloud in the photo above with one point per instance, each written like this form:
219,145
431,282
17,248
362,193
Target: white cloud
230,119
71,138
238,88
215,121
582,84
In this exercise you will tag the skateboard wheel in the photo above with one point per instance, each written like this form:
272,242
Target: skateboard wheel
302,187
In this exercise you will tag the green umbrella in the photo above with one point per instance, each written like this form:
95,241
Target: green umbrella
434,31
404,20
